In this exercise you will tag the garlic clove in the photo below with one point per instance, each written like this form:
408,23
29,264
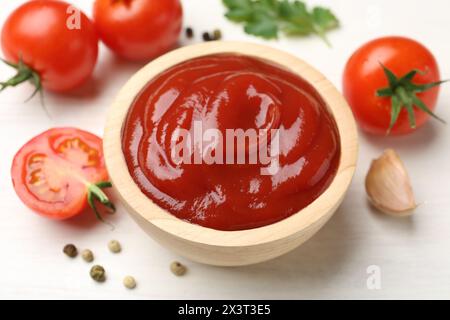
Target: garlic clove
388,185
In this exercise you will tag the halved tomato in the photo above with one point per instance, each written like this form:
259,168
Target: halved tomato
59,172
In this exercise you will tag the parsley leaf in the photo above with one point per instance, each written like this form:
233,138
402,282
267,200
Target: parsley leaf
324,20
263,27
265,18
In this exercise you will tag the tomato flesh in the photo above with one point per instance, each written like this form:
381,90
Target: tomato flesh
364,75
52,172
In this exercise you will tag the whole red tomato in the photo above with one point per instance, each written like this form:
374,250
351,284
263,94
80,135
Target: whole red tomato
59,172
50,43
391,85
138,29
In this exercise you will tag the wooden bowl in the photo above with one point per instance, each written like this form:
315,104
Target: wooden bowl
225,248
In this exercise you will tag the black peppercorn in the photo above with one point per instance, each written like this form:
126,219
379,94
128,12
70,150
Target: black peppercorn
189,33
206,36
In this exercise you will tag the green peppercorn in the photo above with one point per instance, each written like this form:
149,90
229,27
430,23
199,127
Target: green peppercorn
70,250
98,273
217,34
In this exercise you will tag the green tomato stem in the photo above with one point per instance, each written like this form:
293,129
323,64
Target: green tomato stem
403,93
24,74
96,193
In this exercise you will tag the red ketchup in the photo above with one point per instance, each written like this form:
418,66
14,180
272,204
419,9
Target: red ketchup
219,93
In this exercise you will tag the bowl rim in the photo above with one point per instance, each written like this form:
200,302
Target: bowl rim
139,204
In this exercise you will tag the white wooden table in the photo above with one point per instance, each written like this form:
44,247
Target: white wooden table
413,254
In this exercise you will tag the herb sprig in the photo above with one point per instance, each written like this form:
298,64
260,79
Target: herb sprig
265,18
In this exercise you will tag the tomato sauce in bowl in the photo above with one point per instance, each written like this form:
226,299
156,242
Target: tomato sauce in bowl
225,92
